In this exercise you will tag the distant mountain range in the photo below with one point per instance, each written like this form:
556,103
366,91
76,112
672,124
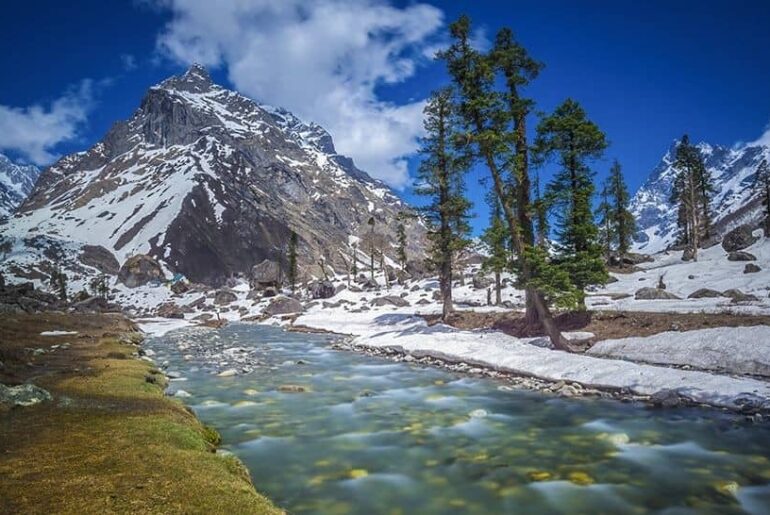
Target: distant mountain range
210,183
16,182
736,201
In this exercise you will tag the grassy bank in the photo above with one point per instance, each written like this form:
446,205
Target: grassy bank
109,441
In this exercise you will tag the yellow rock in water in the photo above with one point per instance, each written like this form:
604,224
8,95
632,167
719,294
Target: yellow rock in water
727,487
357,473
316,480
580,478
457,503
244,404
323,463
431,463
251,392
539,475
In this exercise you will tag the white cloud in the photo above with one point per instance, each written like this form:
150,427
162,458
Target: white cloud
323,60
129,62
35,130
764,139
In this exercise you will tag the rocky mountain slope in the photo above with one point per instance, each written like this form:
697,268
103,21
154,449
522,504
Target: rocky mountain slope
16,182
210,183
736,201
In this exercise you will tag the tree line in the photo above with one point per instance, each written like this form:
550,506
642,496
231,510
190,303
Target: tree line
481,119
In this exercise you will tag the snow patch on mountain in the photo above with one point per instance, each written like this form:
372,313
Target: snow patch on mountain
16,182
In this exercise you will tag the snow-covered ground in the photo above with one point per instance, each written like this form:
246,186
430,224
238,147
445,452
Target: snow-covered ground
712,271
744,350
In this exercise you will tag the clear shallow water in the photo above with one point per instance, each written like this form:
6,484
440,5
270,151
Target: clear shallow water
372,436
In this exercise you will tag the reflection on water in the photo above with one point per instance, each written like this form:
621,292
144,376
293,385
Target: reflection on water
372,436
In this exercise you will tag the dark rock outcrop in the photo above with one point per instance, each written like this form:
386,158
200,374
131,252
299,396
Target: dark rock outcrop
654,294
322,290
738,239
139,270
283,306
751,268
704,293
100,258
740,255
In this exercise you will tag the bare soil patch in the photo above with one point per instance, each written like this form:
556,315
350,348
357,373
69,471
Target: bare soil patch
603,324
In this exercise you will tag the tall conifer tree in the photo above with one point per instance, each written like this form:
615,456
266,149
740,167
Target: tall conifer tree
570,137
440,177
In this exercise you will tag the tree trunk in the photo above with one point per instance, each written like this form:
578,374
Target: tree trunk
498,289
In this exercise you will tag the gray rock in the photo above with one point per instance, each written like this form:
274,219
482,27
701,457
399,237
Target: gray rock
265,274
751,268
370,284
481,282
738,239
283,306
704,293
739,296
740,255
321,290
169,310
139,270
666,399
22,395
224,297
654,294
389,300
688,254
100,258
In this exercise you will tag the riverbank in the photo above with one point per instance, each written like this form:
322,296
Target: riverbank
107,439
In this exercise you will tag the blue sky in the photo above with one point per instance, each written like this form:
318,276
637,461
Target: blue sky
646,72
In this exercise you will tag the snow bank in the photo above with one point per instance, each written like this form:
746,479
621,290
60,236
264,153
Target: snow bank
499,351
736,350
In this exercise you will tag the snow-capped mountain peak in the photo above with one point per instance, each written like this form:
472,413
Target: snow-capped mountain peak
210,182
735,202
16,182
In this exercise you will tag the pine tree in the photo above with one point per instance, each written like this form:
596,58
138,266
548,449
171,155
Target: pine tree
691,192
762,181
99,287
494,132
292,276
570,137
58,281
402,218
440,177
495,238
623,223
354,266
604,211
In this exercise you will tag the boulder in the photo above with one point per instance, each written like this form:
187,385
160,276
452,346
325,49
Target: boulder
100,258
631,258
389,300
169,310
654,294
224,296
370,284
139,270
265,274
666,399
751,268
283,306
22,395
704,293
180,287
688,254
321,289
738,239
740,255
739,296
481,282
95,305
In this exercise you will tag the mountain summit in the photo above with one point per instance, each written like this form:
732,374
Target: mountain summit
210,183
736,201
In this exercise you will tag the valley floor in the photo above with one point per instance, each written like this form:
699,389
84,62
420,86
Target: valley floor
713,350
106,440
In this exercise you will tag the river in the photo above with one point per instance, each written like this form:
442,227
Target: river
370,436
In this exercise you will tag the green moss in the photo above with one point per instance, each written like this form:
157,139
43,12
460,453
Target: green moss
118,446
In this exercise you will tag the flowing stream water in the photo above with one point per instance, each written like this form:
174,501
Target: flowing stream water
372,436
